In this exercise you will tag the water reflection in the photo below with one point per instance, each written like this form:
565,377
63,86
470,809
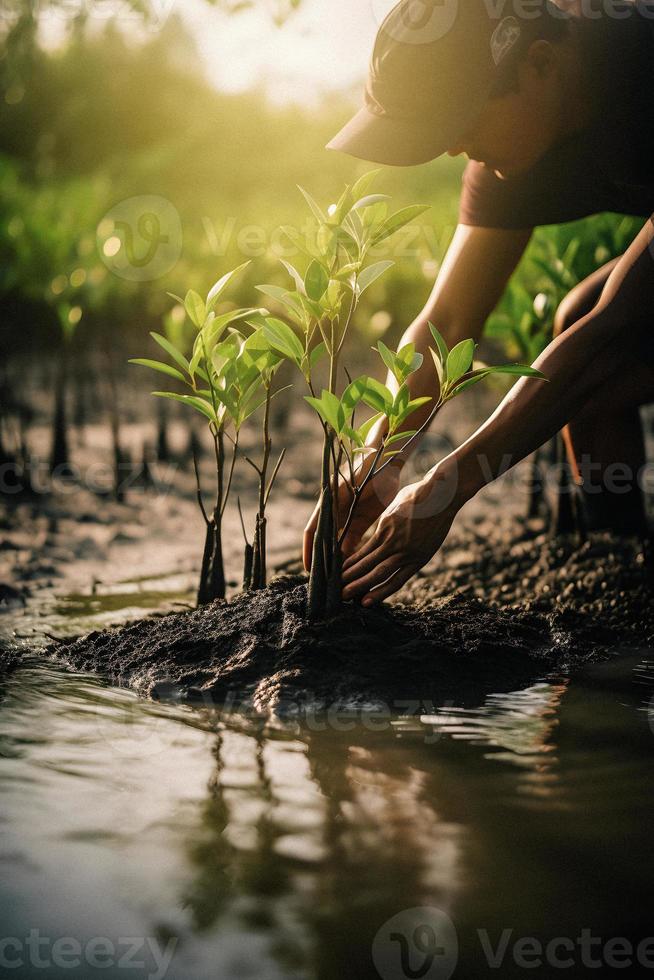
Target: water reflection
279,849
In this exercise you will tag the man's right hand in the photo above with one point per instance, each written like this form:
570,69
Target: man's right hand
377,495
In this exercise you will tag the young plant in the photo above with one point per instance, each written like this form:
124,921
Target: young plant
321,307
264,360
229,378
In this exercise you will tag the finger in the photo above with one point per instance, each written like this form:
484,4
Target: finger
365,560
375,577
391,585
373,542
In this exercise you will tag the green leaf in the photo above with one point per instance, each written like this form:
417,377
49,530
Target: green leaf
346,271
225,398
275,292
369,200
298,240
415,403
371,273
342,208
327,242
199,404
215,327
363,184
406,434
438,364
290,300
219,287
170,348
311,308
409,359
329,408
459,360
316,280
315,208
158,366
521,370
466,384
198,354
364,430
295,275
440,343
399,220
334,295
280,336
387,356
194,306
317,353
378,396
353,394
409,408
401,400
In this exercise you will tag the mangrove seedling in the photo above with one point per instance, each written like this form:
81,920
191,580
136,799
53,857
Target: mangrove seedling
225,384
321,307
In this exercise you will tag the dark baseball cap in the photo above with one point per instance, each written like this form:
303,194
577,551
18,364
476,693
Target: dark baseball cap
431,72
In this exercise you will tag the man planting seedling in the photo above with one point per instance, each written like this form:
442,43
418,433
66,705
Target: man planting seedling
554,109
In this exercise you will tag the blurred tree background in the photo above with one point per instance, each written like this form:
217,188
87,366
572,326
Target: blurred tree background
114,140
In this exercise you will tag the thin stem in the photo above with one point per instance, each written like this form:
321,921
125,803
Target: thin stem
373,471
219,452
266,454
198,488
430,418
231,473
353,304
252,464
274,473
240,514
357,491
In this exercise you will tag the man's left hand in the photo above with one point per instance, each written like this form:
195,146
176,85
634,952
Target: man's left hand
408,534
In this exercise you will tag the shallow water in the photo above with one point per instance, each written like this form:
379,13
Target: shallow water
202,843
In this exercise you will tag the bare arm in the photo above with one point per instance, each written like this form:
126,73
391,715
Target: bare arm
472,278
577,364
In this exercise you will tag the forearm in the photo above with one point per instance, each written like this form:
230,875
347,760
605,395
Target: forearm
576,364
472,277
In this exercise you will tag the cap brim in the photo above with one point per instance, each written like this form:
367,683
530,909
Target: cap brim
398,142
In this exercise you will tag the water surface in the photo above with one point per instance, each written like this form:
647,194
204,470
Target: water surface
277,849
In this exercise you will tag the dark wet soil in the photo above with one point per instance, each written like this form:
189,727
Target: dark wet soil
502,606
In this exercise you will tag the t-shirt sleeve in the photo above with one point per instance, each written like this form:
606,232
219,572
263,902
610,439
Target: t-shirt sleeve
564,185
488,202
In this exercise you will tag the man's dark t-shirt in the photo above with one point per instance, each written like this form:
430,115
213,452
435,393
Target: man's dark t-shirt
609,167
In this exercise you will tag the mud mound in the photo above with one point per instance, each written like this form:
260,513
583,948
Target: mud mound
259,649
584,596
